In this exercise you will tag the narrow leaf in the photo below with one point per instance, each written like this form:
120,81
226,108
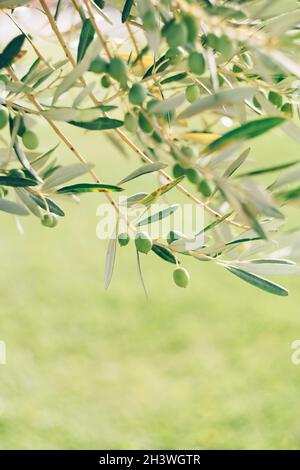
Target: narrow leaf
216,100
247,131
257,281
99,124
158,215
110,259
164,253
126,10
16,181
12,207
85,39
89,188
11,50
143,170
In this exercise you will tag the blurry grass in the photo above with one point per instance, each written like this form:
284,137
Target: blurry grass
206,367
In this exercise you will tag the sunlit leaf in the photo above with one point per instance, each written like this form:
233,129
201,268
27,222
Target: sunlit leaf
227,97
247,131
88,188
163,213
12,207
143,170
257,281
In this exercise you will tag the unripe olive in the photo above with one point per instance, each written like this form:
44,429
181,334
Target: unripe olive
30,140
204,188
193,175
117,69
177,34
287,108
192,93
99,65
196,63
181,277
145,124
105,81
137,94
123,239
189,152
3,118
16,173
212,40
224,46
178,170
49,220
174,55
192,27
143,242
130,122
149,21
173,235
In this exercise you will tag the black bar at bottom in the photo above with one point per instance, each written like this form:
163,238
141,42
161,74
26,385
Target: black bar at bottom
73,459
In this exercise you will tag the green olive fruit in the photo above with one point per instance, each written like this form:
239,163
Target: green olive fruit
192,93
143,242
123,239
204,188
49,220
117,69
105,81
174,55
130,122
145,124
16,173
99,65
137,94
178,170
149,21
212,40
189,152
193,175
177,34
224,46
287,108
173,235
181,277
196,63
3,118
30,140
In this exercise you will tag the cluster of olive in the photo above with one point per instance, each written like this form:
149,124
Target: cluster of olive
143,244
29,138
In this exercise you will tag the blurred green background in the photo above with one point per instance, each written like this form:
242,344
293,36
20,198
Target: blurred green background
206,367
